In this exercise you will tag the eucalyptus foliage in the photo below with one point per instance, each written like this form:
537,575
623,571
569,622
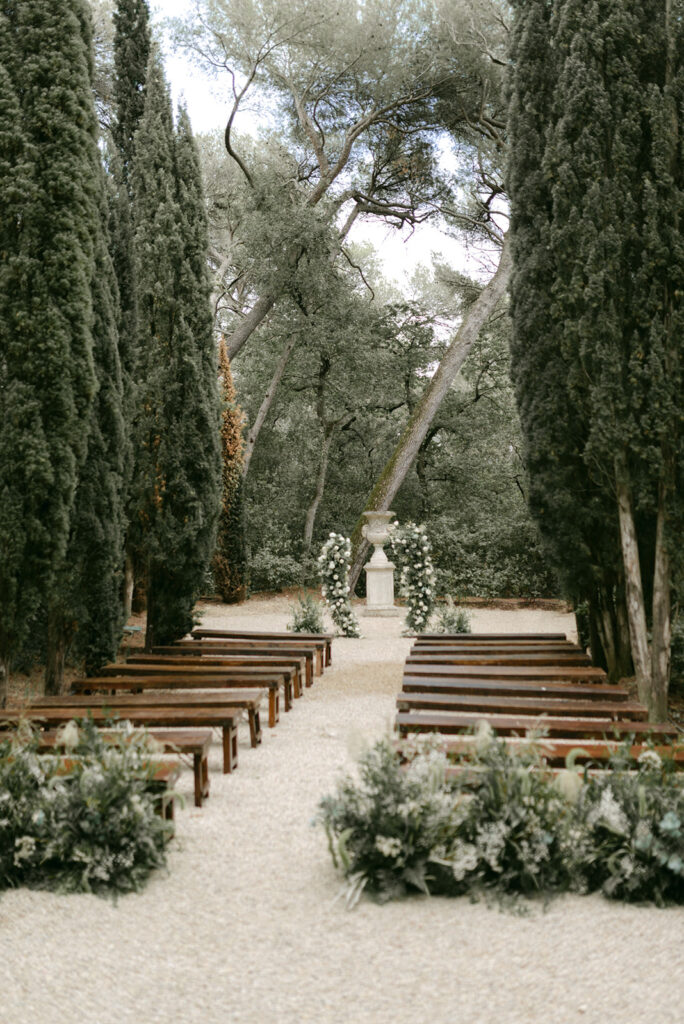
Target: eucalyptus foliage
307,616
91,828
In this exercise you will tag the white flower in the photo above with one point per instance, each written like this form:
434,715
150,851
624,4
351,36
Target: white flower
649,760
388,846
609,813
68,736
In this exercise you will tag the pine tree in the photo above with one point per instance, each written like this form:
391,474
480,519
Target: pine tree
49,256
178,476
611,192
229,565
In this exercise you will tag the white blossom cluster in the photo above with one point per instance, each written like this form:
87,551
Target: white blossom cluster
411,550
333,569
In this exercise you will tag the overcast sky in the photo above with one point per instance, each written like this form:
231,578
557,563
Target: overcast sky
208,108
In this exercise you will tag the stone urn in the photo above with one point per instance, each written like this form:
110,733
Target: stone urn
379,570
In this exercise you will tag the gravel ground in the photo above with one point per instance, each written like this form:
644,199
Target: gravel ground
245,927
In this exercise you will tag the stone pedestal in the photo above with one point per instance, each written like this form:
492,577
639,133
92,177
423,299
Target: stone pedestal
379,570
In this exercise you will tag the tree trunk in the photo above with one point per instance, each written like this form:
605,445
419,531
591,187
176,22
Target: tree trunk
4,680
128,585
266,404
149,628
634,591
320,487
660,644
249,323
409,443
56,653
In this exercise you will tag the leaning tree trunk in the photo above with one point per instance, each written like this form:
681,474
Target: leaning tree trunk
312,510
634,591
661,632
409,443
255,429
249,323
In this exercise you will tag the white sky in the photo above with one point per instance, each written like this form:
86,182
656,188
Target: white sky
400,252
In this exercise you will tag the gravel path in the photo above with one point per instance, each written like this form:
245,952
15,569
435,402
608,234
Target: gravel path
245,926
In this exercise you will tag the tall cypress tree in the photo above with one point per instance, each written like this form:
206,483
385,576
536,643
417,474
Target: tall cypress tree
47,364
229,565
611,162
178,475
132,42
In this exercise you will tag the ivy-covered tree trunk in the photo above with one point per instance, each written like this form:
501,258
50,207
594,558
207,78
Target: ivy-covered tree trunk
229,565
408,446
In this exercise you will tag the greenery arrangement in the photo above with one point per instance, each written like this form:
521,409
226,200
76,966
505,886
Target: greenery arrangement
333,567
505,825
450,619
307,616
93,828
412,554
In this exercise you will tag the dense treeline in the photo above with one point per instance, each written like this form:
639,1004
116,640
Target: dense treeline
109,406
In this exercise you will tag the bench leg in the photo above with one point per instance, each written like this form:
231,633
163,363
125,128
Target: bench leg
319,662
200,767
230,749
273,707
287,693
254,727
309,671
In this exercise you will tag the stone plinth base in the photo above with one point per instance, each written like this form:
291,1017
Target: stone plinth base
378,612
380,589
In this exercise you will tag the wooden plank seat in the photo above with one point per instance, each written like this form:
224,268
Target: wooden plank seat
555,751
548,673
511,705
236,648
195,742
152,696
457,658
514,688
321,643
498,648
200,678
171,716
293,669
487,637
452,722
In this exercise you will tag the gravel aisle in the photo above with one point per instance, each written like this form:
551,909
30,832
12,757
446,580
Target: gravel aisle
245,927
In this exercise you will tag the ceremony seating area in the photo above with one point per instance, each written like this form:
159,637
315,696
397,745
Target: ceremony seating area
521,684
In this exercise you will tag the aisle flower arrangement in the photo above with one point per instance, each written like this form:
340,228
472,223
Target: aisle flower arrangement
333,568
411,551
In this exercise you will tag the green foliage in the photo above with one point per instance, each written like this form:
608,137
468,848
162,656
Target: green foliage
307,616
93,828
506,825
411,553
333,568
450,619
229,562
178,470
677,655
132,43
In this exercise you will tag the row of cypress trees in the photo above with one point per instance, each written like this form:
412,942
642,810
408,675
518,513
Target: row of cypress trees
596,179
109,404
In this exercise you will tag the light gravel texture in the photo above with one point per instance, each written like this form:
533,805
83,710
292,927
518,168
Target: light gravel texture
245,927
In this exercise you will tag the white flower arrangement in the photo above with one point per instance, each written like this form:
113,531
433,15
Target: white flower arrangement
333,569
412,552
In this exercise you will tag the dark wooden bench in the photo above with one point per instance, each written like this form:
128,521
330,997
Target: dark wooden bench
514,688
171,716
488,637
556,751
445,657
263,641
197,654
192,679
511,705
151,697
448,722
526,647
237,648
539,673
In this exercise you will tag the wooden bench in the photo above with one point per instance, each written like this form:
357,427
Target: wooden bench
448,722
151,697
259,641
539,673
514,687
197,654
446,657
509,705
172,716
488,637
237,648
556,751
192,679
527,647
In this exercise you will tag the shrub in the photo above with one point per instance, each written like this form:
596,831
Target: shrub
505,824
451,619
333,567
269,570
93,829
307,616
